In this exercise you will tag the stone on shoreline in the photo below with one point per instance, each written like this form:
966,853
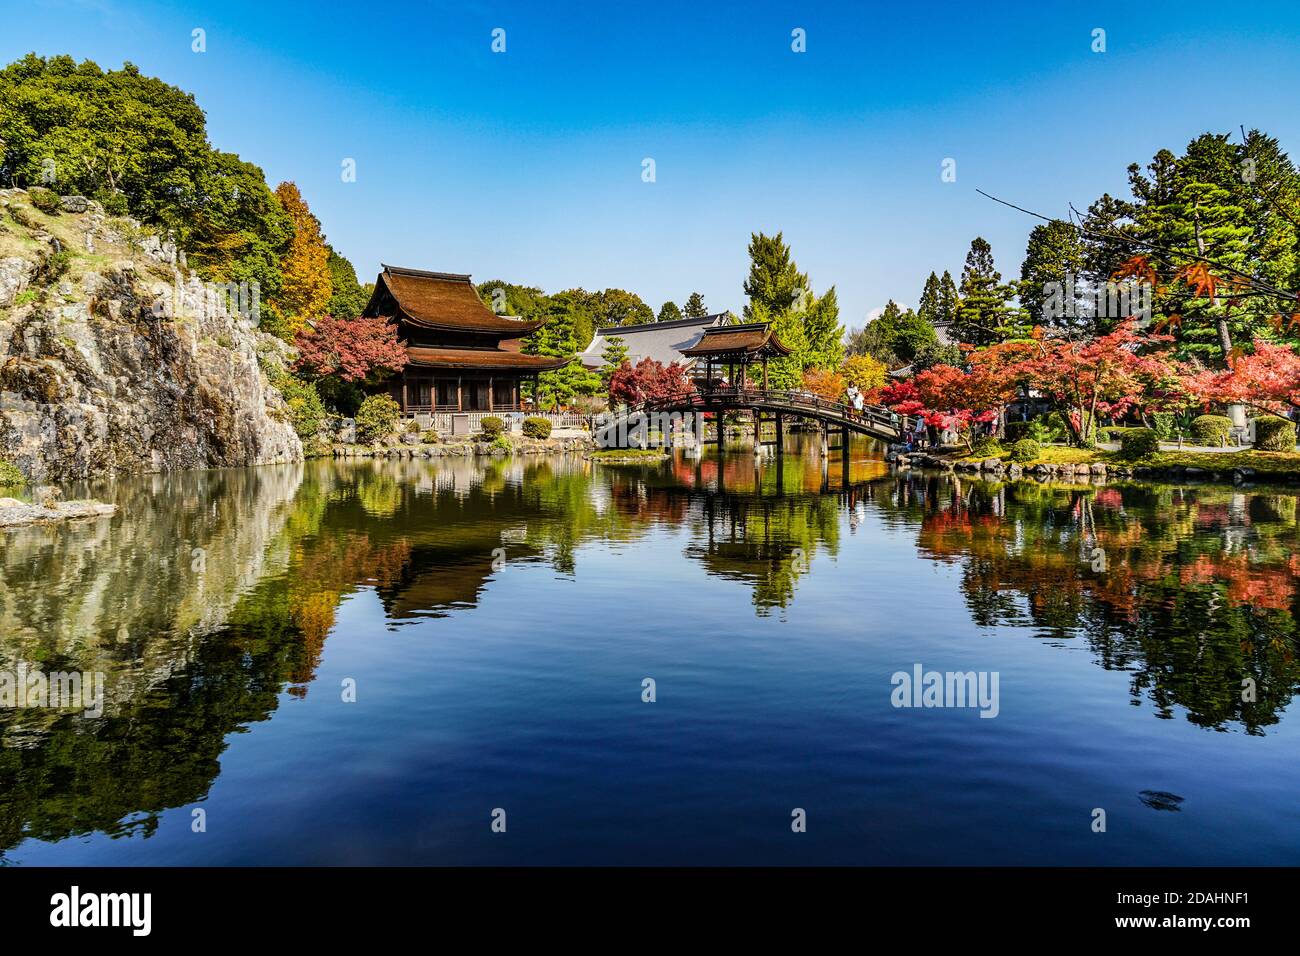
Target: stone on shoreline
14,512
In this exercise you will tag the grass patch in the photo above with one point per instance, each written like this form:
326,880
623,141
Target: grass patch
628,454
1264,462
1051,454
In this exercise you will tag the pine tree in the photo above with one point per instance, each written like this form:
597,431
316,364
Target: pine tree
984,315
823,334
1054,254
614,355
928,308
668,312
946,313
695,307
558,337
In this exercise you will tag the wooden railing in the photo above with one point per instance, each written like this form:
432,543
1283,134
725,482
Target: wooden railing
442,420
881,418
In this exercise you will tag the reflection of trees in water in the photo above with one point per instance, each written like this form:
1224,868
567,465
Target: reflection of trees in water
124,596
1199,590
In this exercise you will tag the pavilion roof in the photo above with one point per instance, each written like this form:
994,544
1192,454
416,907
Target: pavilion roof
485,359
752,340
442,300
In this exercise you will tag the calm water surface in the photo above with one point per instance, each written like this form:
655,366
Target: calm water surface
498,621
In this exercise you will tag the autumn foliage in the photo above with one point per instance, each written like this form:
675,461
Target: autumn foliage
825,384
648,381
1268,379
352,350
307,281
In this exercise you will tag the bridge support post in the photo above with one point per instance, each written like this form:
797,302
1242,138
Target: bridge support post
780,434
826,439
758,431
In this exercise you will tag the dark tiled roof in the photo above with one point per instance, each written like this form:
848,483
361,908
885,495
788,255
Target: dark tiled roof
486,359
445,300
752,339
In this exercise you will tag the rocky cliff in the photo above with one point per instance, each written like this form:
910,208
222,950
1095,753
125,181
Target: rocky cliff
115,358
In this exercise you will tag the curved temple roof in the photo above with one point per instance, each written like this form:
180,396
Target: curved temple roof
754,339
443,300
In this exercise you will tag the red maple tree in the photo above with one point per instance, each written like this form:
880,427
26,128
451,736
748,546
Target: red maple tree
353,350
1267,378
648,381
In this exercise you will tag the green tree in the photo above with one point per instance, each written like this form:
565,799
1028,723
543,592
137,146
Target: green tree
140,146
695,307
348,297
614,355
1054,254
558,337
984,314
946,313
669,312
928,307
779,293
894,337
618,307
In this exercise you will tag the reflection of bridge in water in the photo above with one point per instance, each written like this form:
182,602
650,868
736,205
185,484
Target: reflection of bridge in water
768,407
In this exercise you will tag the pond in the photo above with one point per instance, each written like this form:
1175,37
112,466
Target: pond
724,660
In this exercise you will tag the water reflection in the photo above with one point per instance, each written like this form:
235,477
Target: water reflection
208,599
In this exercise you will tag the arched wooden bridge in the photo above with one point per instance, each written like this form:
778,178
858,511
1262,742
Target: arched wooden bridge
875,421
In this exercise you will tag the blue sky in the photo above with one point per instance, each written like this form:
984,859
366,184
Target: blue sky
527,165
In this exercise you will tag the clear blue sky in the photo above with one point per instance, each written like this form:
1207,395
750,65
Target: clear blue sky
527,165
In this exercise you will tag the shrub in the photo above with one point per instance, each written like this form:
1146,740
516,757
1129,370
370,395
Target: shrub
10,476
1139,443
1165,425
114,202
535,427
1211,430
491,427
1274,434
986,445
1026,449
306,410
501,441
55,265
44,200
1043,431
430,436
376,419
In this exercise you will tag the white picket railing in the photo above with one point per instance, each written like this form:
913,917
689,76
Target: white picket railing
445,423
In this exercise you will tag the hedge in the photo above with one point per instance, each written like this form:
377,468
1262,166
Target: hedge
1139,442
1274,434
1211,430
1026,449
986,445
491,426
535,427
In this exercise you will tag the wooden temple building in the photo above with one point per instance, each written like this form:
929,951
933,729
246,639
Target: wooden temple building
736,347
461,356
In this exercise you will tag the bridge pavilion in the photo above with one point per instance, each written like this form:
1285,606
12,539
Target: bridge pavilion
736,347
